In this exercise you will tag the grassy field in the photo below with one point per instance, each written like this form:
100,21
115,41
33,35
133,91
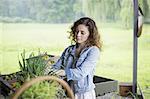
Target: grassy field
116,57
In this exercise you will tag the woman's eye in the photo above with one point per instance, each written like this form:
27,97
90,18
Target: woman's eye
82,33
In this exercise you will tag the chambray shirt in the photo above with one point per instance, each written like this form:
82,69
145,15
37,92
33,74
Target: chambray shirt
80,70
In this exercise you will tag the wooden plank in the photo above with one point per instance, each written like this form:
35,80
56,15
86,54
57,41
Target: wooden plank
112,95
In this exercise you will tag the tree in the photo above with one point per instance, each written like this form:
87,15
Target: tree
126,13
64,11
103,10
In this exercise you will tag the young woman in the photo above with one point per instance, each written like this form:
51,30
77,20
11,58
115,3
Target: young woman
79,60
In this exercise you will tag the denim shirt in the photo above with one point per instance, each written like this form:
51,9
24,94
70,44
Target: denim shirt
84,68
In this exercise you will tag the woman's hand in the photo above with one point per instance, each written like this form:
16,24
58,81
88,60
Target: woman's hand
61,72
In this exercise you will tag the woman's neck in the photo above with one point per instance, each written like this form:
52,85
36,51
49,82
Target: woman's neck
79,48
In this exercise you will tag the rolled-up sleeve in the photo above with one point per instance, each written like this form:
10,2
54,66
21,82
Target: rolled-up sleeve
86,66
59,64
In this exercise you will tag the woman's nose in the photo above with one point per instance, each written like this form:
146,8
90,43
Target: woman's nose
79,33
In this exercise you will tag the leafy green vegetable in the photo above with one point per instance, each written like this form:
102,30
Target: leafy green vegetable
35,66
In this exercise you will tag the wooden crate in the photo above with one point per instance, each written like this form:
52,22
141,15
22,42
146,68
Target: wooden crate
125,88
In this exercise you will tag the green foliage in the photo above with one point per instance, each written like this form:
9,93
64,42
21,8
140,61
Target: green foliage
15,20
127,13
114,10
32,68
35,66
103,10
47,11
66,11
43,90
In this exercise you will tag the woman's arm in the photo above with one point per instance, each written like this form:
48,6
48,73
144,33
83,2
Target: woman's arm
59,62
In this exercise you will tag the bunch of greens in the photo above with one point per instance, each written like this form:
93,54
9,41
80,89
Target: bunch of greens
35,66
42,90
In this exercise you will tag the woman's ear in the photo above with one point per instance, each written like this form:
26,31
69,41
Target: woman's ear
140,22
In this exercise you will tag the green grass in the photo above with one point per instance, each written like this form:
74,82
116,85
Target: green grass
116,61
31,37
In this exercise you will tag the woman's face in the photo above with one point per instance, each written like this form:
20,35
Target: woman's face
82,34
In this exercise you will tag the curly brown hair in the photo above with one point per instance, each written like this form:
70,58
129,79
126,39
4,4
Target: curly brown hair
94,38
